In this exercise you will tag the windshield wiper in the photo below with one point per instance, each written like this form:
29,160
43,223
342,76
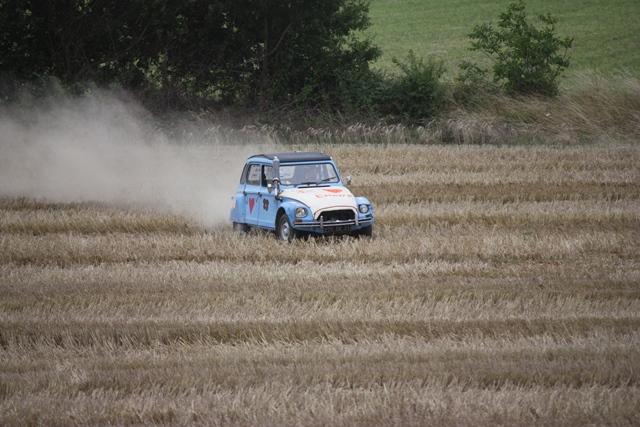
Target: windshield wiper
310,183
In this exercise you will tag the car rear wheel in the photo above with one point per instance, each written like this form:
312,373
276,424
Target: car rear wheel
285,231
240,227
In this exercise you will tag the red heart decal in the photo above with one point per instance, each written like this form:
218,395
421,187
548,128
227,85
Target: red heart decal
252,203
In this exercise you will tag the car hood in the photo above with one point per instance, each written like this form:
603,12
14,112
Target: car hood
321,199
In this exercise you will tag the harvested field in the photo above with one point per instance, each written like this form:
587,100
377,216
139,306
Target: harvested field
502,287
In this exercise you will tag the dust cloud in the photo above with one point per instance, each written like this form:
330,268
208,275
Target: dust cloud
105,148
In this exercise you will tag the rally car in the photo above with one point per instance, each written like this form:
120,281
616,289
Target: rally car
298,193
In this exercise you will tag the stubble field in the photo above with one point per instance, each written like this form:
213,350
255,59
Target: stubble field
502,287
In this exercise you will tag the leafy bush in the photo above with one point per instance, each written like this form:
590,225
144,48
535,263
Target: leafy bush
415,95
526,59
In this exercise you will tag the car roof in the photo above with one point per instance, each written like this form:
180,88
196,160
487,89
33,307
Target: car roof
296,156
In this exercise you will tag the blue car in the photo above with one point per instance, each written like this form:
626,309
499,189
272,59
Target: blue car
295,194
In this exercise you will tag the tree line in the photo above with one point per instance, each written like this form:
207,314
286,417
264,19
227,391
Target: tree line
250,53
229,51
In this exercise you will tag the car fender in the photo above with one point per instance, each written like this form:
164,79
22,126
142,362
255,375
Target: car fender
289,207
363,201
238,208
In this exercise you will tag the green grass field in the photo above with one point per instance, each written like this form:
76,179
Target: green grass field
606,33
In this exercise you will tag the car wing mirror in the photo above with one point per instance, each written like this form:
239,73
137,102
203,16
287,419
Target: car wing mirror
276,177
348,180
276,168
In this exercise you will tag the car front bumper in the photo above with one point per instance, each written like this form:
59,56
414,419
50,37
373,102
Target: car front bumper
333,227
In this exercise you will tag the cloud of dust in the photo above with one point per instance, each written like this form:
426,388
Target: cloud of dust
104,148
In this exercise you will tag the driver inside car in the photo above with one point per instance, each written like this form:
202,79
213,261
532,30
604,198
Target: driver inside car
306,174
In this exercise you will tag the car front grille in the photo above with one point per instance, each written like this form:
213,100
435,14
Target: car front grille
339,215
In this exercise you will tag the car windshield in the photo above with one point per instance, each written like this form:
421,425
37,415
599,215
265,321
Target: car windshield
308,174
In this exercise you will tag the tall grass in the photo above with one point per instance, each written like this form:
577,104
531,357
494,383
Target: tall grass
595,108
501,287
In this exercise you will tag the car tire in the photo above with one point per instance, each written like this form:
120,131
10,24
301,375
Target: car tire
364,232
240,227
284,230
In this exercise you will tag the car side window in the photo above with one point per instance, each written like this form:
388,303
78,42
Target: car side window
267,175
253,175
244,174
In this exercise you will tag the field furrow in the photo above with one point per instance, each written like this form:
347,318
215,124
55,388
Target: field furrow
502,286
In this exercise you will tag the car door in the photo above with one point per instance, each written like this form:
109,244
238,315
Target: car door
252,193
267,204
238,207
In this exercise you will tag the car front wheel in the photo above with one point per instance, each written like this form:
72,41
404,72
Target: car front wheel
364,232
285,231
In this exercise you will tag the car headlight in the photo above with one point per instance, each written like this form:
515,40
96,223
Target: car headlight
364,209
301,212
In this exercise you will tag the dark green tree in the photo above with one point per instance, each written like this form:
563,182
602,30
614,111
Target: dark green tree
74,41
300,51
249,52
526,59
417,94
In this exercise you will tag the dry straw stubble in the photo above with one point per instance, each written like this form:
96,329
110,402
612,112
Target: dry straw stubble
501,287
